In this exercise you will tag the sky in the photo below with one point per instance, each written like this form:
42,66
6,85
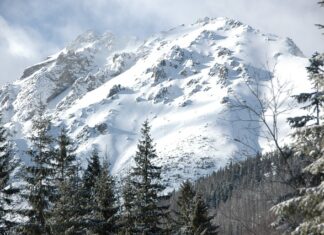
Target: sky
34,29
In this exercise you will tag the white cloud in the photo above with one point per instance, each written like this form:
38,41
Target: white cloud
19,48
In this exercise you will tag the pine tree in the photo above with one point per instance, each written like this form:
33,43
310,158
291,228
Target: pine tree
69,211
303,212
185,204
105,210
64,157
93,170
88,214
201,221
192,216
145,177
314,100
128,220
39,175
316,71
6,190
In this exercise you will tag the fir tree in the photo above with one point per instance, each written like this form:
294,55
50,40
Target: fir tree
93,170
303,212
64,157
145,177
185,204
314,100
105,210
6,190
70,208
128,219
89,214
192,216
39,175
316,70
201,221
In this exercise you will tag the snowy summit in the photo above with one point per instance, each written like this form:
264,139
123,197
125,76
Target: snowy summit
182,80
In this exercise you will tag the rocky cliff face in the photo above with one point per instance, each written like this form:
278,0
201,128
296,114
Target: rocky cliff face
182,80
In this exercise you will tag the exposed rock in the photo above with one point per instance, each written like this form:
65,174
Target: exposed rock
161,95
102,128
115,90
158,74
31,70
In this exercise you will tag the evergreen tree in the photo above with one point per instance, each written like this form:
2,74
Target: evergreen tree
90,213
192,216
69,210
105,210
86,196
201,221
296,213
93,170
316,71
64,157
314,100
185,204
303,212
145,177
39,175
128,220
6,190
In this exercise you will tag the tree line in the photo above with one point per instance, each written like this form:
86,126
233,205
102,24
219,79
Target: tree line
275,193
281,192
61,198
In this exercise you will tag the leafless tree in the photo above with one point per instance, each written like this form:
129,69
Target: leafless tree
268,102
260,104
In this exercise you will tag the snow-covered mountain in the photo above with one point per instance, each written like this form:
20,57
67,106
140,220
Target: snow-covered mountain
103,88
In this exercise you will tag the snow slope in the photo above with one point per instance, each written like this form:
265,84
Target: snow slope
182,80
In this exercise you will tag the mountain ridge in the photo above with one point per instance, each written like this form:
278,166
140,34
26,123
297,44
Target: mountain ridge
181,80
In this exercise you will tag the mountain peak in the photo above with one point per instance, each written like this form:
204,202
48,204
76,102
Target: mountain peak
90,39
181,80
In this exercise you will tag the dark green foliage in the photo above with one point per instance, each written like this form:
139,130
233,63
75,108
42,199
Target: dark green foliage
64,157
128,218
185,204
67,217
300,121
87,206
145,180
300,212
242,193
87,193
315,67
71,196
105,208
191,216
201,221
219,186
93,170
313,101
39,175
6,190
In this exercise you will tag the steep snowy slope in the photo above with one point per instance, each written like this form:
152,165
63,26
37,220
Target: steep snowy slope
182,80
